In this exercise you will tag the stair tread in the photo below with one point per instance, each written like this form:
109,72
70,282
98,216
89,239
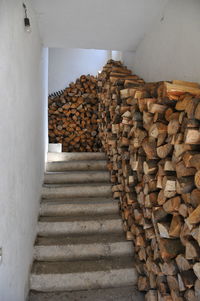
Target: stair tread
78,184
72,155
125,293
80,163
82,266
91,172
75,218
80,239
79,201
77,161
77,165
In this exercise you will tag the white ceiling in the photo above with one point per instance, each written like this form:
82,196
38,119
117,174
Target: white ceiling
97,24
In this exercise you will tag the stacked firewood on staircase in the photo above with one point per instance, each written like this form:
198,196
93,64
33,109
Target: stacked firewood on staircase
151,135
73,116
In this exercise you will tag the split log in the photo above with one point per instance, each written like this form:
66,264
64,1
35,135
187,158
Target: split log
192,136
196,268
182,263
192,250
156,129
177,90
194,217
197,179
164,150
170,248
175,226
197,288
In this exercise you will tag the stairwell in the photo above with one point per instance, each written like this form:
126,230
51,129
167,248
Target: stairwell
81,251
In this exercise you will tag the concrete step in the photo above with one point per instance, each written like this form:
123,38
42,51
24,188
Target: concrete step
79,225
78,247
80,275
77,177
83,206
55,157
77,165
79,190
126,293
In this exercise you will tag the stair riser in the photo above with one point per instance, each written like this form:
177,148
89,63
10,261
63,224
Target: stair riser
76,191
81,281
77,166
82,251
77,209
53,157
77,227
79,177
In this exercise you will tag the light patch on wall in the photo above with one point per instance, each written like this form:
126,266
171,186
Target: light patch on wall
1,255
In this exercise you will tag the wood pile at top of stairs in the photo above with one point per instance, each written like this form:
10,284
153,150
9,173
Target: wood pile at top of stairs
151,135
73,116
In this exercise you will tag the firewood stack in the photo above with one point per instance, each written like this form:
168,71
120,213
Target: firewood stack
73,116
151,135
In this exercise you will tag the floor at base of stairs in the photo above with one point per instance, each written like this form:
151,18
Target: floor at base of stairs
111,294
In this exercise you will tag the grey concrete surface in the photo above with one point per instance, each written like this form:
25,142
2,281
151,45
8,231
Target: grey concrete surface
82,247
80,243
55,157
77,177
54,148
129,293
77,165
76,190
85,274
84,206
79,224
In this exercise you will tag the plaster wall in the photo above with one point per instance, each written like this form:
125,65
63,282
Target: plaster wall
22,138
128,59
171,48
94,24
116,55
66,65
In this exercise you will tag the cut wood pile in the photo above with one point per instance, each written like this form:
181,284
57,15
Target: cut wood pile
151,135
73,116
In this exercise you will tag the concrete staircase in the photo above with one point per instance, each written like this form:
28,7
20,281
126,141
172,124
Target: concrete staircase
80,251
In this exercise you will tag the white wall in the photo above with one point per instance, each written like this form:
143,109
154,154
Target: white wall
171,50
116,55
45,91
128,59
22,123
96,24
66,65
